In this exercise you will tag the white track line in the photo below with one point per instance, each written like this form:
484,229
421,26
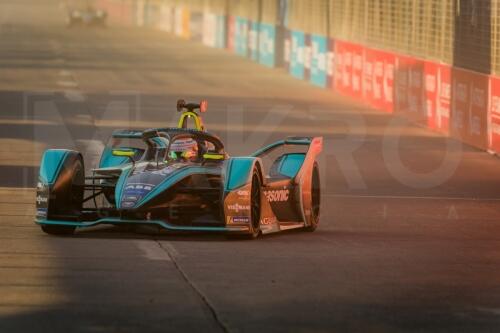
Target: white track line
170,248
408,197
495,311
68,81
65,73
152,250
67,84
74,95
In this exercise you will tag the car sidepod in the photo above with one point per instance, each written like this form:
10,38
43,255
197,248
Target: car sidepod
237,196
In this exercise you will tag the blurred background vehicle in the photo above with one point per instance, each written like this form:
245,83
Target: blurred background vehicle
85,13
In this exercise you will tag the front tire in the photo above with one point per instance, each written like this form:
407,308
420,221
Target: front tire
58,230
65,196
255,207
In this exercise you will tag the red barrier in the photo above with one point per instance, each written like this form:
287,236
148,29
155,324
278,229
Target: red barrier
419,89
469,112
127,13
119,12
437,95
330,64
410,88
494,115
348,68
378,79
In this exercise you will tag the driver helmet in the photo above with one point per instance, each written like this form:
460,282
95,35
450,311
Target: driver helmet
184,148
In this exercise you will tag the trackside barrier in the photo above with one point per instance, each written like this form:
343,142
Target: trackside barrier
231,32
307,56
123,12
450,100
287,49
319,61
214,30
209,29
460,103
253,40
297,54
494,118
438,95
422,91
348,68
220,32
196,26
152,14
377,83
267,45
182,18
241,36
138,13
469,112
330,65
167,18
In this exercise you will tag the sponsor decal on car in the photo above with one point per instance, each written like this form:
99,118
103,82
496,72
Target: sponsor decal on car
238,208
41,199
41,212
128,204
145,187
137,190
134,193
239,219
277,195
268,220
165,171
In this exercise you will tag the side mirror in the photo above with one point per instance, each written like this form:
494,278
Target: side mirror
125,153
213,156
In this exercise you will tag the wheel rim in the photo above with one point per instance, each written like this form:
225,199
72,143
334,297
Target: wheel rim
255,205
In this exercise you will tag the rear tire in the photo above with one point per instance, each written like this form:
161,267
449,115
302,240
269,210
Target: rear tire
255,205
315,199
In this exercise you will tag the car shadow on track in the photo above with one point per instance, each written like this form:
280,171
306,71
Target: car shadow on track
153,233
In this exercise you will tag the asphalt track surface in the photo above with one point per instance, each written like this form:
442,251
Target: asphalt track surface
409,238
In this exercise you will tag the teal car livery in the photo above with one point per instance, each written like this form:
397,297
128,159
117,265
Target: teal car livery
182,179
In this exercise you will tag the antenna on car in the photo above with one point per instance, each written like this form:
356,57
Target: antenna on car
188,111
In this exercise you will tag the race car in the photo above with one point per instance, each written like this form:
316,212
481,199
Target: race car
182,179
86,15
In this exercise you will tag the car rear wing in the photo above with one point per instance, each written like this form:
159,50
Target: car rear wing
315,145
314,148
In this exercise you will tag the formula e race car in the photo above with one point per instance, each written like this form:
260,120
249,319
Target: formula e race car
86,16
182,179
